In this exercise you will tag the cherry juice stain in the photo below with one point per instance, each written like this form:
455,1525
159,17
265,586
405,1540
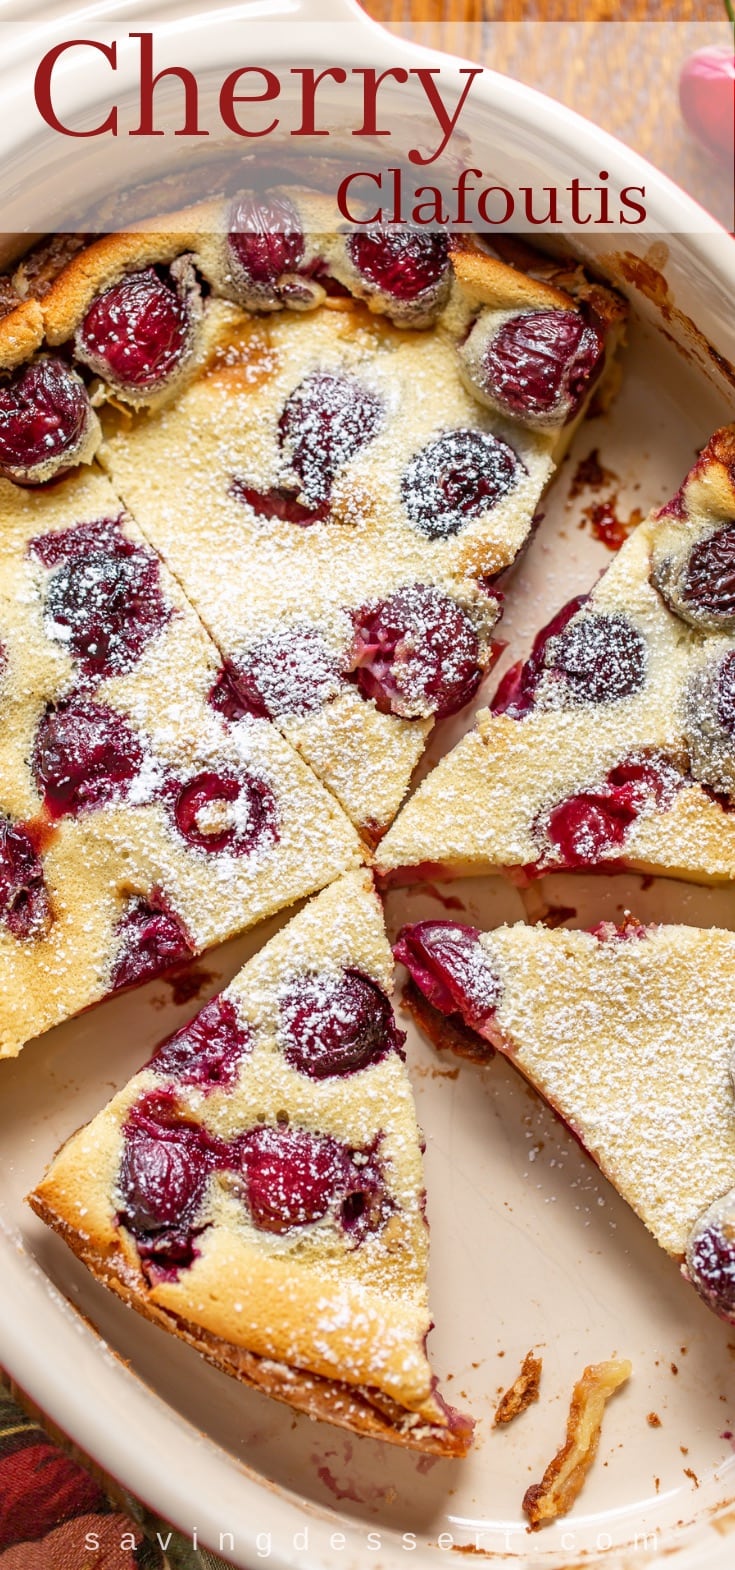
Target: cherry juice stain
604,524
601,517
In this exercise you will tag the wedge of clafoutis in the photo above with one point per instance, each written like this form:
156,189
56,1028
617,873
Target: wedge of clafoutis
614,744
139,824
257,1189
628,1034
336,442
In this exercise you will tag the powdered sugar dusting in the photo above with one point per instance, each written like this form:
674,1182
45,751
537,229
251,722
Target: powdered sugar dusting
631,1040
352,400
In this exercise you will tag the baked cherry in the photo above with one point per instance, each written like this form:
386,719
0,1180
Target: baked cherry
165,1167
326,421
208,1051
278,502
291,672
103,601
410,266
265,241
46,422
226,812
597,658
457,477
726,693
336,1024
710,1257
151,939
698,581
225,697
25,908
537,366
449,965
293,1178
710,725
585,827
80,540
85,755
137,333
366,1203
415,654
516,693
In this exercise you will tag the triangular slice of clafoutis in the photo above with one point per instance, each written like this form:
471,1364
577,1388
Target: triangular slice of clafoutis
628,1033
614,745
258,1189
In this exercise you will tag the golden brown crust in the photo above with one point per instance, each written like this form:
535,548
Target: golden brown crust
494,283
100,264
710,486
522,1393
563,271
21,333
721,447
325,1399
564,1476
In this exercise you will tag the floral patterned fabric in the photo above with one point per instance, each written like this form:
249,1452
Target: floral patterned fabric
56,1515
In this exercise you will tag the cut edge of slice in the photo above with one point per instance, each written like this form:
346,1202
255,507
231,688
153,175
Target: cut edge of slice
335,1336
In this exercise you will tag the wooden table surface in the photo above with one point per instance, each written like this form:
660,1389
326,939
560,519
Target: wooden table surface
618,64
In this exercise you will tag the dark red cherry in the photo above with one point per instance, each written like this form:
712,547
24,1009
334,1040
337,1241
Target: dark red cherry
150,940
598,658
516,692
333,1025
710,726
105,606
543,362
402,262
292,1178
225,698
82,539
24,903
711,1258
208,1051
326,421
291,672
644,778
278,502
459,476
366,1203
585,827
85,755
709,578
136,332
266,240
698,581
226,812
415,654
726,693
45,415
448,963
162,1177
